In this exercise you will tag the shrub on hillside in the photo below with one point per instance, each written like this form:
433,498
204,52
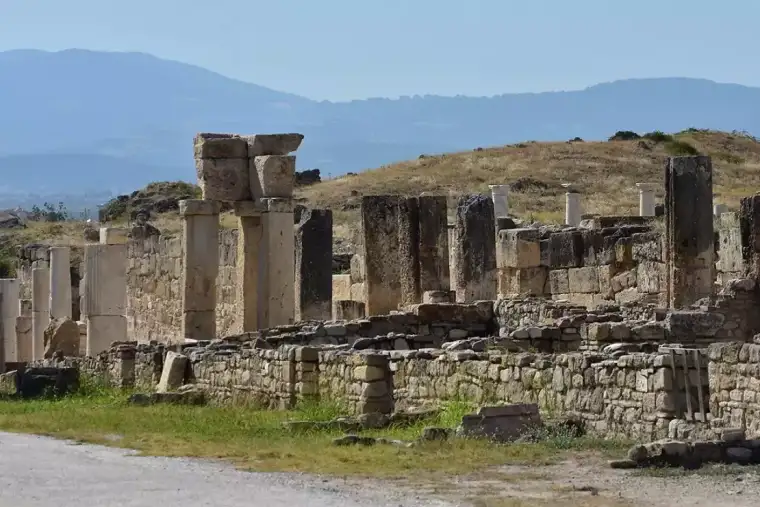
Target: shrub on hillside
49,213
678,148
658,136
157,197
308,177
625,135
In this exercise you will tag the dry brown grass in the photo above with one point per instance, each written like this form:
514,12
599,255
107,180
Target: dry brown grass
606,173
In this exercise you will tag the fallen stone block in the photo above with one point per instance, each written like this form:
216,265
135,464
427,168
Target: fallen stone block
61,338
173,373
501,423
47,381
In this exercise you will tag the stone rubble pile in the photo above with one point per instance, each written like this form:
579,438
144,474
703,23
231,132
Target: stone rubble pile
731,448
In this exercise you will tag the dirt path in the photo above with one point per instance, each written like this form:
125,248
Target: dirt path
37,472
589,482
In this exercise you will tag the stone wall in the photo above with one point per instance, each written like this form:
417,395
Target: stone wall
124,365
632,396
154,302
583,266
734,371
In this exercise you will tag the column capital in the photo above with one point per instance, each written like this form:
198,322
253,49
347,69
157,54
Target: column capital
570,188
248,208
645,187
277,204
189,207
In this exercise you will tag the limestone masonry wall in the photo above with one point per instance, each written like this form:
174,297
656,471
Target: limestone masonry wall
154,300
734,372
621,263
632,395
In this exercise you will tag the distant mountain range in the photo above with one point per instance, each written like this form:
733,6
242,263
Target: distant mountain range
80,121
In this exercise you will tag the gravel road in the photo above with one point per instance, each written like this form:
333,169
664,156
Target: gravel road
38,471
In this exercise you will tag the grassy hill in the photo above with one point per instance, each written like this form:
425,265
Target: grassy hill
605,173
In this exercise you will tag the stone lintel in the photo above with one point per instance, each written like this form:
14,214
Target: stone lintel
189,207
273,144
210,145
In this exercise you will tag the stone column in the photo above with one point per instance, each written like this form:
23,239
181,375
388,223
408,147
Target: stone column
380,252
313,283
105,295
60,282
40,309
646,199
689,236
10,289
433,244
499,195
475,276
572,205
200,237
276,305
250,231
408,251
749,224
24,336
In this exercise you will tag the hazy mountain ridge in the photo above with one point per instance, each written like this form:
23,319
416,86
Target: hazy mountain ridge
80,120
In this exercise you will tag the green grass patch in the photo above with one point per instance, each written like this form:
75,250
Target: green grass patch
255,439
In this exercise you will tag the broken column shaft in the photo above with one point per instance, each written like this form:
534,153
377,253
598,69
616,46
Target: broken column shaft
689,236
200,236
313,282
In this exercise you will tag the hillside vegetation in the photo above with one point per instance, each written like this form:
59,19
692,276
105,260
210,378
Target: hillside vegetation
605,173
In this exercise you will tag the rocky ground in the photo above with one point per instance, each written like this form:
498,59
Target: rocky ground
589,482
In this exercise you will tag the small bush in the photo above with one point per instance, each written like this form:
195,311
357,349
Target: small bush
680,148
7,268
625,135
658,136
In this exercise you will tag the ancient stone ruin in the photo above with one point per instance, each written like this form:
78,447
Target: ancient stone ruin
637,326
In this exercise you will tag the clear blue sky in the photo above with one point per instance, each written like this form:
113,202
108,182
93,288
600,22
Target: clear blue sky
345,49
